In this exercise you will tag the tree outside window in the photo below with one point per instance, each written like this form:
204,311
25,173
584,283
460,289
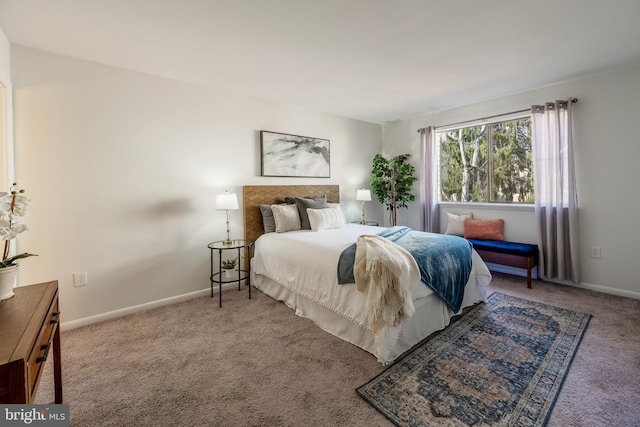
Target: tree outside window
490,162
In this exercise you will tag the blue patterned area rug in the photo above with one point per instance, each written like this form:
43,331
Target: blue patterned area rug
501,364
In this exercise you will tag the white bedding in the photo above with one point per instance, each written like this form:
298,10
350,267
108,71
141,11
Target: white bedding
304,263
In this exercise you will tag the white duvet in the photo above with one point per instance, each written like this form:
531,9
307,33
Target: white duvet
306,262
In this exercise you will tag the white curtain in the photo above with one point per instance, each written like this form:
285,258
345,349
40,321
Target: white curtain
429,181
556,204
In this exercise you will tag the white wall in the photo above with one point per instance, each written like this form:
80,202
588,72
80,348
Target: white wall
6,121
5,58
123,168
607,149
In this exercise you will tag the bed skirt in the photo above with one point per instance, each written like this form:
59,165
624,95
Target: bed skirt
431,315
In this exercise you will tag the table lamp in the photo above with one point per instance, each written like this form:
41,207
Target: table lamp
227,201
363,195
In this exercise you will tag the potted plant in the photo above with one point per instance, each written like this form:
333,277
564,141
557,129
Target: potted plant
13,207
391,181
229,266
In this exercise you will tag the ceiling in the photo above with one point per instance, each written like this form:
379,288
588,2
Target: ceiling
372,60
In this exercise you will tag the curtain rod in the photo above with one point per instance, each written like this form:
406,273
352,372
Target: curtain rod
573,101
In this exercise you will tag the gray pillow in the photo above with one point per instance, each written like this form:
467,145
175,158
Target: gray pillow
268,222
303,204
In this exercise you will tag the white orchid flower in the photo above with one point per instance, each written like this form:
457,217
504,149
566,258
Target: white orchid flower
8,234
13,206
5,202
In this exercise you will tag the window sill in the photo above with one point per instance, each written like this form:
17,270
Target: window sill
489,206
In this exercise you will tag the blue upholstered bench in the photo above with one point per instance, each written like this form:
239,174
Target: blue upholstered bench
513,254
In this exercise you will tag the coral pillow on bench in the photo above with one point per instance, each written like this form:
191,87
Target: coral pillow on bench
484,229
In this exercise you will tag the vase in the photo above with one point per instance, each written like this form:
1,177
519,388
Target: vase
8,281
230,273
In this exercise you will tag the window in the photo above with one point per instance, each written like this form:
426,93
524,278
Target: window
487,162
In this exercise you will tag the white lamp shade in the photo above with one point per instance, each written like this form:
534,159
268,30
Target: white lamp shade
363,195
226,201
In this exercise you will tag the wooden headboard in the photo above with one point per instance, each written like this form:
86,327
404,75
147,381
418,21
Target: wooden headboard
255,195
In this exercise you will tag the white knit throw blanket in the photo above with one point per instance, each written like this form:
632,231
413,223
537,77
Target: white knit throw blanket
385,272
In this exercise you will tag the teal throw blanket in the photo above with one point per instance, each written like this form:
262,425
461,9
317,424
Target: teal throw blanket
444,261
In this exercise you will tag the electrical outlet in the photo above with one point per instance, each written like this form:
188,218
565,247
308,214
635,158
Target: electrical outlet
80,279
595,252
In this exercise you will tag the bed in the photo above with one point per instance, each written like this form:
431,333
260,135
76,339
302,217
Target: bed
299,269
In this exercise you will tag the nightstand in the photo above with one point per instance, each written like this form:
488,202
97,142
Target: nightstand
219,277
29,329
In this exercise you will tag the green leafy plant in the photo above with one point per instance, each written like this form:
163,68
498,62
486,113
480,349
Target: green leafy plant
228,264
391,182
13,208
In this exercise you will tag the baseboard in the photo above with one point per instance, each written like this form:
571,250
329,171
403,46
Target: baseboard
605,290
184,297
138,308
590,286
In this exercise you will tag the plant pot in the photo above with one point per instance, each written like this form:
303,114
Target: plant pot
230,273
8,281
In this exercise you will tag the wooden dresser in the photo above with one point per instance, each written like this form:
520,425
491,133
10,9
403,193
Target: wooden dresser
29,328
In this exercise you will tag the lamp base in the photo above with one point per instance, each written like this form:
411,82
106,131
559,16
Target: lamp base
227,242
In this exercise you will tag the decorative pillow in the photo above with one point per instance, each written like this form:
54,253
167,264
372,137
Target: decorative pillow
455,223
321,219
338,206
286,218
486,230
304,204
268,222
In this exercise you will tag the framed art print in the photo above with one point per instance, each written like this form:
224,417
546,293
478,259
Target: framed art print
294,155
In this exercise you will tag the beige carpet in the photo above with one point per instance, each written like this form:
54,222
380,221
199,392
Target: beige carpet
254,363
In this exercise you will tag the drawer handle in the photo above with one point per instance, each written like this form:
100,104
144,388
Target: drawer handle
46,348
54,317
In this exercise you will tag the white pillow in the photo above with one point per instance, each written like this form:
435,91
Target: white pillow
337,205
286,218
321,219
455,223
